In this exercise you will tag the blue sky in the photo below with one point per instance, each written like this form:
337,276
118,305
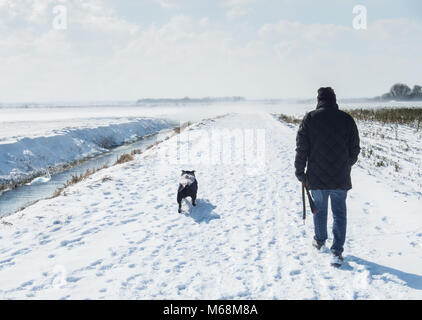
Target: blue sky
129,49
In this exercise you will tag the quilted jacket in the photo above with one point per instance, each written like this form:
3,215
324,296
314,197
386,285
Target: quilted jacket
328,146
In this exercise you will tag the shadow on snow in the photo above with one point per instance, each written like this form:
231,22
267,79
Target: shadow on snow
411,280
203,212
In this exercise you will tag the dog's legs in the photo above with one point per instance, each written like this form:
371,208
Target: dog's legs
179,201
194,201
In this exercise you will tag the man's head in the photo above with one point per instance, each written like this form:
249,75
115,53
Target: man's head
327,95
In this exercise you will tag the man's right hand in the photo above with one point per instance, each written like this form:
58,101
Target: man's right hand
301,177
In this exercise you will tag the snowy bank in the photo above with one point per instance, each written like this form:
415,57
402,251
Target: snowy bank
30,157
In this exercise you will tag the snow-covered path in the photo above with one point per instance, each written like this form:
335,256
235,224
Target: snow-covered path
118,234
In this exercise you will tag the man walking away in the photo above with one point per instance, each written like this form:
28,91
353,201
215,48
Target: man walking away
328,146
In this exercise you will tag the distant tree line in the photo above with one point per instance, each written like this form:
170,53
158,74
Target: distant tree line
193,100
402,92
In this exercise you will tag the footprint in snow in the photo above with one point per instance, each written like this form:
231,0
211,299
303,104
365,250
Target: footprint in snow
73,279
26,284
386,220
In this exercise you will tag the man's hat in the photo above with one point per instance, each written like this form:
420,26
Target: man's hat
326,94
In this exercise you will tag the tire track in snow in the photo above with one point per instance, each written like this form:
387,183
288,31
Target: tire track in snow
287,224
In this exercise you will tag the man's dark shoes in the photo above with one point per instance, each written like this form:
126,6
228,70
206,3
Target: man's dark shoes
317,245
337,259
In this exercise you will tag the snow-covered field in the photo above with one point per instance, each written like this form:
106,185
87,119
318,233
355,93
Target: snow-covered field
118,234
21,121
393,152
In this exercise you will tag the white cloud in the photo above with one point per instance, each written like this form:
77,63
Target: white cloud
204,22
238,8
102,56
168,4
237,3
236,12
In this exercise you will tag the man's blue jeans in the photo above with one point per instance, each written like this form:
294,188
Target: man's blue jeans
338,207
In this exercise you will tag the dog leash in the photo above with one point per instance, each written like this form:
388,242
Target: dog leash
304,203
311,201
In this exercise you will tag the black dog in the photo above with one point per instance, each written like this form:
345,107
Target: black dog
188,187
